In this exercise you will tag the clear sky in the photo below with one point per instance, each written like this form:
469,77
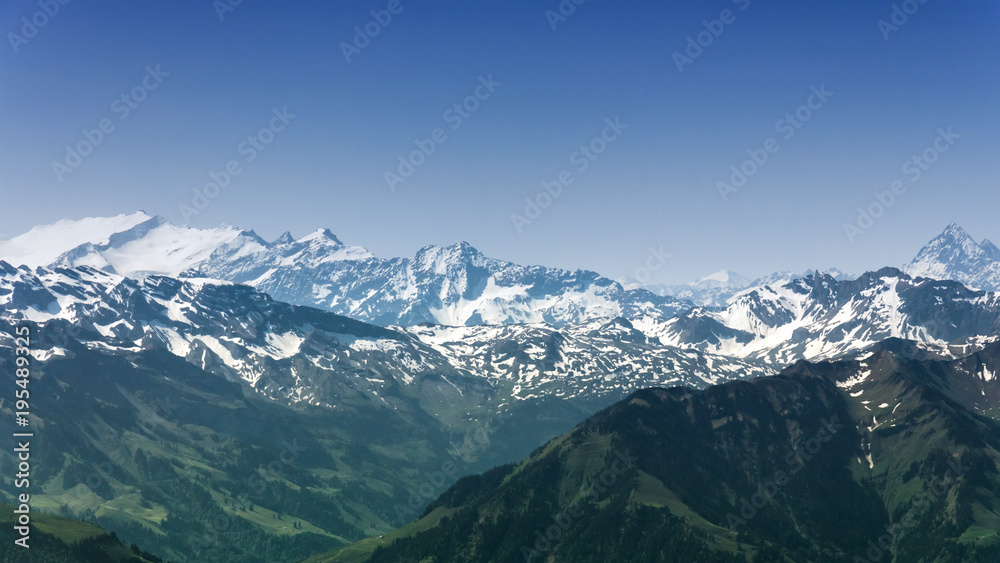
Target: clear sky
543,93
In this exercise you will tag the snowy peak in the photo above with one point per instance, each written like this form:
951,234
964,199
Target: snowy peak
821,317
324,236
453,285
955,231
134,245
990,249
44,244
713,290
957,256
723,278
317,248
138,245
954,246
442,259
285,238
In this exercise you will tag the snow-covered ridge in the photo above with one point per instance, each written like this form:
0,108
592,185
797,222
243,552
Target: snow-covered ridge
820,317
44,244
454,284
777,319
305,355
719,289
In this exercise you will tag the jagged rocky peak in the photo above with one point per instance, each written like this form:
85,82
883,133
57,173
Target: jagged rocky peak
453,257
952,244
323,235
285,238
955,255
990,249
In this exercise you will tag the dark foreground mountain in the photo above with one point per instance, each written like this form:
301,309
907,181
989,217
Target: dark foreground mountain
886,458
53,539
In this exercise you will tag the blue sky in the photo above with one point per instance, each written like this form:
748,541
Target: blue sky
655,182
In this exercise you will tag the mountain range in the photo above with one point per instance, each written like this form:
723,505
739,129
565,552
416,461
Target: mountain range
454,285
820,317
213,396
776,319
717,289
885,457
205,421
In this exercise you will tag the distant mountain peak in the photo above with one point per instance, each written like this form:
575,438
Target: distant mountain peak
955,255
285,238
44,244
954,227
954,232
252,235
990,249
465,249
322,234
724,277
460,251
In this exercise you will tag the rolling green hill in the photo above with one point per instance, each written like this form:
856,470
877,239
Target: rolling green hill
61,540
185,464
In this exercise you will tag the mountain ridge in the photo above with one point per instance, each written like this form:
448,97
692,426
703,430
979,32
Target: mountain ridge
453,284
884,456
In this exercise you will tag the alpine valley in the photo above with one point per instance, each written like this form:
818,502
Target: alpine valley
211,396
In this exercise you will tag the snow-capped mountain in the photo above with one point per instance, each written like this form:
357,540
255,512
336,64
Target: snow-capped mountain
132,245
722,278
777,319
954,255
454,285
578,362
718,289
821,317
313,357
712,290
